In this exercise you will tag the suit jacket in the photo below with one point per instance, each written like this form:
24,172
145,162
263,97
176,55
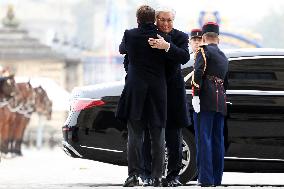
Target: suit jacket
210,75
144,95
178,54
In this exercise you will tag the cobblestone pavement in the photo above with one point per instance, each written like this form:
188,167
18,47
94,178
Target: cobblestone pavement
52,169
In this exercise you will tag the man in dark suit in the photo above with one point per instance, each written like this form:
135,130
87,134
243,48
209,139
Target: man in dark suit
177,109
144,97
209,103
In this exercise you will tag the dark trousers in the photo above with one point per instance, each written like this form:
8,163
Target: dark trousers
136,130
174,150
210,146
173,137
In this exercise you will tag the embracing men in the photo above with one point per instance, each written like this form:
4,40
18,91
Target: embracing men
153,100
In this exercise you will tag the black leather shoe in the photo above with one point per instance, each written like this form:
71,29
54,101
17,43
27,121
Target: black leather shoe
131,181
174,183
147,182
206,185
157,182
164,182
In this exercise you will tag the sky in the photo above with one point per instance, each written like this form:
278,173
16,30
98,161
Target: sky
235,13
240,13
237,16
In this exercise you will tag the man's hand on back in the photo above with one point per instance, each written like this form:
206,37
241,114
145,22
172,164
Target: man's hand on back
159,43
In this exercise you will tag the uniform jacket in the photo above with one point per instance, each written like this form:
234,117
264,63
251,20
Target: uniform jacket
210,74
144,95
178,54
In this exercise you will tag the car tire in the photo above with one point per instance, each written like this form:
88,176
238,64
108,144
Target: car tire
189,170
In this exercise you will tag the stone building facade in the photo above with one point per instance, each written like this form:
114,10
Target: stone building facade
31,59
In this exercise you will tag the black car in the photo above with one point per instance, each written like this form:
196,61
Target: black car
254,129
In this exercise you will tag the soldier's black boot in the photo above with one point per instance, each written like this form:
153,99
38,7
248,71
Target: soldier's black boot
131,181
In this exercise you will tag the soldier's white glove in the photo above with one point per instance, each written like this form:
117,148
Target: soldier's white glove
196,103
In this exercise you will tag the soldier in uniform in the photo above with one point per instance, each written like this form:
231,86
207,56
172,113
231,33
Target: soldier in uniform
195,39
144,97
209,103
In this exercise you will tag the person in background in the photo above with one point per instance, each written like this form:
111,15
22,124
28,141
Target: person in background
209,103
195,39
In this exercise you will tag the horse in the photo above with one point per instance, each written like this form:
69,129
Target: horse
43,104
20,116
17,112
40,103
7,91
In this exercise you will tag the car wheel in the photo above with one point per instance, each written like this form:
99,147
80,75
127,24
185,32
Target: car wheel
189,169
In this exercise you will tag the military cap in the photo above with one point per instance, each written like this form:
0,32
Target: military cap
210,27
195,33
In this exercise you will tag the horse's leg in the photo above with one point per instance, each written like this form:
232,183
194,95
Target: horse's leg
18,130
5,129
13,125
1,128
10,128
15,122
4,141
25,124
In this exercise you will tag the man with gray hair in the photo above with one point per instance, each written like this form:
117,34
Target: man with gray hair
144,98
177,110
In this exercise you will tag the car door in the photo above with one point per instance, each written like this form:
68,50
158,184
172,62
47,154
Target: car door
255,97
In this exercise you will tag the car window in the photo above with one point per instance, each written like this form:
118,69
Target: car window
257,74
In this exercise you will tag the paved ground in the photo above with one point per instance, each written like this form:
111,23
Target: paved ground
52,169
